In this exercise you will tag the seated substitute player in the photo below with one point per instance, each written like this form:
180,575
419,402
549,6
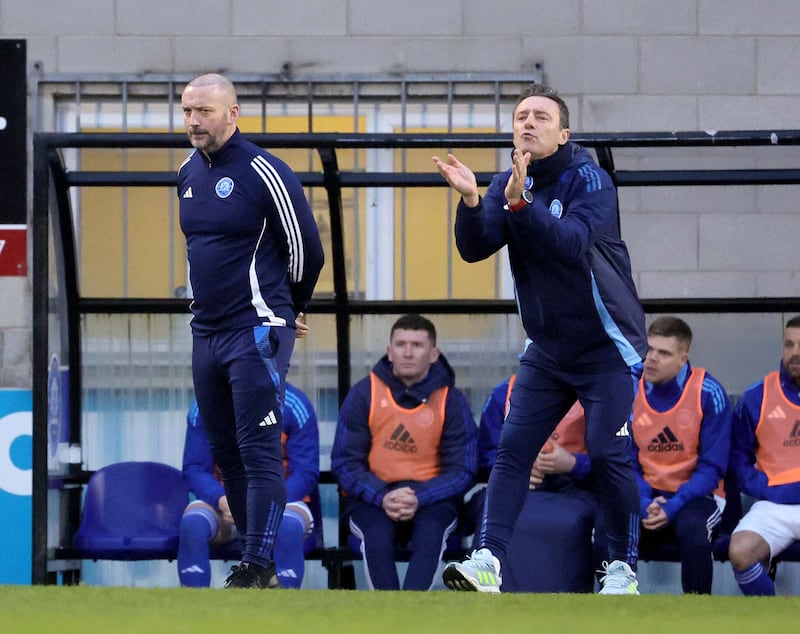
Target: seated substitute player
404,455
681,433
207,520
765,459
551,547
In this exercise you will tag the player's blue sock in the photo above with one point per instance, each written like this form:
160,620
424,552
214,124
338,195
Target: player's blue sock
289,559
754,581
198,527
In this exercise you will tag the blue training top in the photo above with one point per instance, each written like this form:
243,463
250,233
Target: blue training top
253,245
572,273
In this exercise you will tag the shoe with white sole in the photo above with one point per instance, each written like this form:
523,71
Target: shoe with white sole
619,578
480,572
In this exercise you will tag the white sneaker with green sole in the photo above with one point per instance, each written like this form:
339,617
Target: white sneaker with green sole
480,572
619,578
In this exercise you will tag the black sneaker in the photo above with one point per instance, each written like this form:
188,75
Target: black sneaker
246,575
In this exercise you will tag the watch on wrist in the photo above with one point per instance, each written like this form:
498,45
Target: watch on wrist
527,199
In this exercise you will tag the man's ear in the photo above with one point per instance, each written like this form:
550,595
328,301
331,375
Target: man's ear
564,136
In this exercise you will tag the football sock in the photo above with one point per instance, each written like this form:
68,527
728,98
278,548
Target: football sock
198,527
754,581
289,559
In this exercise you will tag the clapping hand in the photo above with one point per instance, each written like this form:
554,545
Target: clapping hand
459,177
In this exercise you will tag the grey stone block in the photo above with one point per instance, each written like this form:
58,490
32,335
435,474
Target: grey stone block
743,17
114,54
408,19
748,243
640,17
16,347
692,65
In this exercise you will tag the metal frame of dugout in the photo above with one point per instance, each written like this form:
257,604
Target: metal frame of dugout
52,224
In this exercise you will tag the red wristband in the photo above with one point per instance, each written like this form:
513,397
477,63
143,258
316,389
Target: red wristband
516,206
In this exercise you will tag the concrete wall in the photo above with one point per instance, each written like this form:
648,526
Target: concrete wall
631,64
624,65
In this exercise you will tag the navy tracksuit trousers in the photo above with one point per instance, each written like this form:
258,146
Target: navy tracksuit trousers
425,537
692,529
542,395
239,377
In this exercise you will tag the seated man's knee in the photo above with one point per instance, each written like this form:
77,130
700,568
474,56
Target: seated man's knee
300,513
373,536
746,548
200,521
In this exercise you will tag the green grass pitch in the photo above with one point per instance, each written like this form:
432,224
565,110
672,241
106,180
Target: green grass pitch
92,609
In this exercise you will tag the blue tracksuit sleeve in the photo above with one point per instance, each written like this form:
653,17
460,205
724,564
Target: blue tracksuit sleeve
714,449
743,442
490,426
570,238
302,445
198,464
458,459
481,231
582,468
304,246
351,447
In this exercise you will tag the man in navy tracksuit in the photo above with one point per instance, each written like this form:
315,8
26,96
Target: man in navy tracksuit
556,211
559,514
254,257
207,519
404,455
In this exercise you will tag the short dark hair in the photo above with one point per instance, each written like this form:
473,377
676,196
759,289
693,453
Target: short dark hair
794,322
668,326
541,90
415,322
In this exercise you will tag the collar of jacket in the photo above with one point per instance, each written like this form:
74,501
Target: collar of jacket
547,170
215,158
672,390
439,375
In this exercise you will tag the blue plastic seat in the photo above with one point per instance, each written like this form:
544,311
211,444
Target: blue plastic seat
132,511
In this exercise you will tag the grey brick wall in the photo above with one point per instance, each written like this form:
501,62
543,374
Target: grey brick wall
624,65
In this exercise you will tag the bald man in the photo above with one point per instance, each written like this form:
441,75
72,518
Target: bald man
254,258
